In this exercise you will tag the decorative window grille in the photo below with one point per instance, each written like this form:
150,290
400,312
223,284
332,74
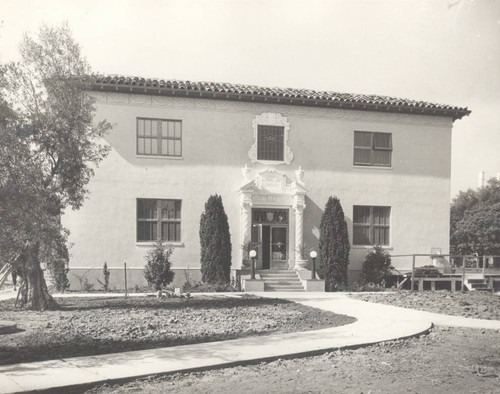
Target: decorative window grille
270,143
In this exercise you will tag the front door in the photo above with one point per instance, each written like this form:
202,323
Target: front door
274,246
279,245
270,235
266,247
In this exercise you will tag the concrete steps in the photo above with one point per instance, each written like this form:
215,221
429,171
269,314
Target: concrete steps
474,284
281,280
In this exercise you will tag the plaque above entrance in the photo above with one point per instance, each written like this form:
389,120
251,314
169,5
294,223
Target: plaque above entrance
271,187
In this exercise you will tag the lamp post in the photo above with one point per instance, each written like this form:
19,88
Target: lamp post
252,255
313,255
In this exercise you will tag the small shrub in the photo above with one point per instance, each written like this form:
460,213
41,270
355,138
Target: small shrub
106,274
87,286
60,276
199,287
56,256
157,271
376,267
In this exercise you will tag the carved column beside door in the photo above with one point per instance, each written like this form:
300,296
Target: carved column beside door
246,220
299,206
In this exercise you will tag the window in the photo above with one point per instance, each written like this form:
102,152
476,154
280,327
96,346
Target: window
372,149
158,219
371,225
159,137
270,143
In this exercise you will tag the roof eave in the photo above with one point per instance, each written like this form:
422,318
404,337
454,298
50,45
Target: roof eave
455,114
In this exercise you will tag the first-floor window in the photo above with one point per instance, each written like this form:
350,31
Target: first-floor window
158,219
371,225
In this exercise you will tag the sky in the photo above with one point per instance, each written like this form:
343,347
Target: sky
440,51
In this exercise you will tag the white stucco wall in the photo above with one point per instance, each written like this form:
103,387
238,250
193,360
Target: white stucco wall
216,138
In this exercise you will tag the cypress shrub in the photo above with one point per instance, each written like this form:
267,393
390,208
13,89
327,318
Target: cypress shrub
215,242
334,246
376,266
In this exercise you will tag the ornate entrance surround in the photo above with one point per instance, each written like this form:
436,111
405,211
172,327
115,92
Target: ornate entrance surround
273,189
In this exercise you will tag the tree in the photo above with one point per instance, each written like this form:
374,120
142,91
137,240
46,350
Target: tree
215,241
157,270
475,221
376,266
334,246
49,148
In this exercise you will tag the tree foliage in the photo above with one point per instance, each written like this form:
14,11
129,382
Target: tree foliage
376,266
157,270
215,241
334,246
475,221
49,147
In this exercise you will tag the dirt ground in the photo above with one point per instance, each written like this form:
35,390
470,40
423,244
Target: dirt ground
475,304
89,326
448,360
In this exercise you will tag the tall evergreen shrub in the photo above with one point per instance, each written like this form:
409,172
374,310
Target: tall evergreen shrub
215,242
334,246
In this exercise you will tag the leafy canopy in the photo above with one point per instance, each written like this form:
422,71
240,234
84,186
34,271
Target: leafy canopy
49,148
475,221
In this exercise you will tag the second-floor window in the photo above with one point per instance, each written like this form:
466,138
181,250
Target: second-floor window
372,149
270,143
159,137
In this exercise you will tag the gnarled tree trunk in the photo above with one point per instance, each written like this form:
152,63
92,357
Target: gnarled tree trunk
33,292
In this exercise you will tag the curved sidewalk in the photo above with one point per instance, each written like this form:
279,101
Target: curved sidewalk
376,323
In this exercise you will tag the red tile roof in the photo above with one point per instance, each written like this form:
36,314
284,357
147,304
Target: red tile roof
288,96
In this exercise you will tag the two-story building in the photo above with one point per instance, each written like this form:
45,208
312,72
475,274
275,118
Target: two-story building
275,156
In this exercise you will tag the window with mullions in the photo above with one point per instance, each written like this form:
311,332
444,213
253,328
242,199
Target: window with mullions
372,149
159,137
158,219
371,225
270,143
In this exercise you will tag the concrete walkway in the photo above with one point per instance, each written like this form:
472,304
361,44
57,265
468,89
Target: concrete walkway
376,323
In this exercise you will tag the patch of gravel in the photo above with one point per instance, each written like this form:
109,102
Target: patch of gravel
89,326
475,304
448,360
